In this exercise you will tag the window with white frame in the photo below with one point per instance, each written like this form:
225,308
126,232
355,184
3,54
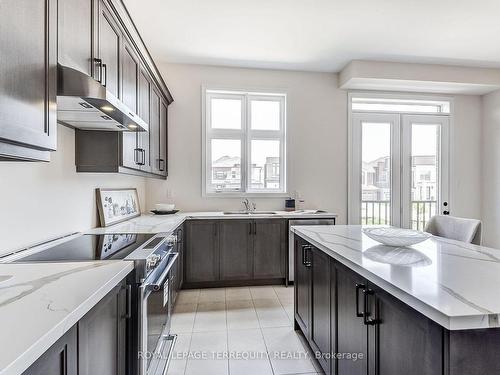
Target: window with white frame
245,142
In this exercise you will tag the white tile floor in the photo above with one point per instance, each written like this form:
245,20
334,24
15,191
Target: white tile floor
238,331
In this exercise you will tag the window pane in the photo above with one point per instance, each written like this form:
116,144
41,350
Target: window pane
376,173
265,115
424,173
226,113
265,164
226,164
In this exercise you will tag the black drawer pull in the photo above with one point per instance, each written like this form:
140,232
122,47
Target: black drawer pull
358,288
366,315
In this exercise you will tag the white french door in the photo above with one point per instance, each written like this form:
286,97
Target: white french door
399,169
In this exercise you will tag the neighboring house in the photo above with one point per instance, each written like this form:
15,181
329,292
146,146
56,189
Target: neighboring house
376,179
226,173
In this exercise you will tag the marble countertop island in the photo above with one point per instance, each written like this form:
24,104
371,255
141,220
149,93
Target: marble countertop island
40,302
153,224
451,282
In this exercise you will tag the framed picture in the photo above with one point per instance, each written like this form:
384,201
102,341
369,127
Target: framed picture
117,205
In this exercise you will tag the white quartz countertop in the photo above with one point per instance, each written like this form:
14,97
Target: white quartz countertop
453,283
40,302
152,224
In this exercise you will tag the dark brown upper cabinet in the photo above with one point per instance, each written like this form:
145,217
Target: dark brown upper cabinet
28,72
109,49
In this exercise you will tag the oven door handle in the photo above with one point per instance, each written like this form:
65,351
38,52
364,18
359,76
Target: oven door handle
156,285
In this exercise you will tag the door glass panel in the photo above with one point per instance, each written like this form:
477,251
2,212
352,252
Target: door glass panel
265,168
425,140
225,113
265,115
226,164
376,173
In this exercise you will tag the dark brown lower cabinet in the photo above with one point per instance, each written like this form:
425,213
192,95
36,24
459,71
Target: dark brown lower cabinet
302,291
236,256
201,263
269,248
321,313
234,252
95,345
60,359
352,334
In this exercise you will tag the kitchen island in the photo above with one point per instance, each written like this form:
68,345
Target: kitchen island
431,308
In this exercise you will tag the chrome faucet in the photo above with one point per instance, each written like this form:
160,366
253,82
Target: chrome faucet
246,203
249,206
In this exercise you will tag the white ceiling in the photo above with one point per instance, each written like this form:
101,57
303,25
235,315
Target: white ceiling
319,35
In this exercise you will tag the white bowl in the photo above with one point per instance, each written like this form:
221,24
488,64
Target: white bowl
165,206
395,236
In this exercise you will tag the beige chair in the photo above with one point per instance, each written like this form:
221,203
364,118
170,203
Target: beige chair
455,228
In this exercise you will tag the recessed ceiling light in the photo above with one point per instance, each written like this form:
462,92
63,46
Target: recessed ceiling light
132,126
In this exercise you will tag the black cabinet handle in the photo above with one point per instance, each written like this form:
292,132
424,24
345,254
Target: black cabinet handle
250,228
143,157
255,228
137,151
305,259
99,65
358,288
105,79
366,313
128,313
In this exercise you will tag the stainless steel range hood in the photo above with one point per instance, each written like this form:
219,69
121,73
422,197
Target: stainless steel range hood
84,103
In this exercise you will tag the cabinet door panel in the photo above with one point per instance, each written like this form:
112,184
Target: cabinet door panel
405,342
202,255
109,49
236,258
60,359
155,130
101,336
321,314
352,334
302,282
269,249
75,34
163,155
28,69
130,80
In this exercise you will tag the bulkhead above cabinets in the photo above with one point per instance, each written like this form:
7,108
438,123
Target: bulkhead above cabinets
99,79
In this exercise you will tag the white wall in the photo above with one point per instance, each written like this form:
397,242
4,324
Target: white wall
466,176
317,133
491,169
39,201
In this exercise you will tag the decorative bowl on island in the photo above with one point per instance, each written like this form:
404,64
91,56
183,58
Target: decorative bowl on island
395,236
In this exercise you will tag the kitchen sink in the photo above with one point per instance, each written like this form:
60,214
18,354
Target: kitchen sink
249,213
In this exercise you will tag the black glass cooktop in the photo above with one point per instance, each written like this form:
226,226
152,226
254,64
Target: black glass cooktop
89,247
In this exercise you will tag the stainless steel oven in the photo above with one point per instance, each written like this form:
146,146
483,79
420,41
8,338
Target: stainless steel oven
155,310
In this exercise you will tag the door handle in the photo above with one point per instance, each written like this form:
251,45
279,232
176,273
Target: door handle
137,151
143,156
358,288
128,313
99,65
366,313
105,80
161,164
305,259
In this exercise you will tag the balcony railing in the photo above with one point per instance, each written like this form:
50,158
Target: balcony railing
421,212
379,213
376,212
